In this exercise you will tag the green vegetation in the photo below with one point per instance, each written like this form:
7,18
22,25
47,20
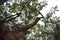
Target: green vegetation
19,13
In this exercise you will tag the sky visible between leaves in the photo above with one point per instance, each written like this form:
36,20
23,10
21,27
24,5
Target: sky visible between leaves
51,3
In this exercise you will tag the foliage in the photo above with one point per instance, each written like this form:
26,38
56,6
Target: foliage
27,11
19,13
49,31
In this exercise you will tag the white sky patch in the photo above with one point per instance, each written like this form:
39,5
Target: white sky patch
40,0
51,3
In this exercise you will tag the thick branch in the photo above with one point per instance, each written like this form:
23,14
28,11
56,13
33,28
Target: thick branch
26,27
23,30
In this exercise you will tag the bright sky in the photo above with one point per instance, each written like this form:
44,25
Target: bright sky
51,3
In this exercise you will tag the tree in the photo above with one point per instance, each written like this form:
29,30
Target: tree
27,11
18,18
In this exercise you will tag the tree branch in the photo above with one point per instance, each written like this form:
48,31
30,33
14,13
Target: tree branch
23,30
7,19
26,27
40,13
